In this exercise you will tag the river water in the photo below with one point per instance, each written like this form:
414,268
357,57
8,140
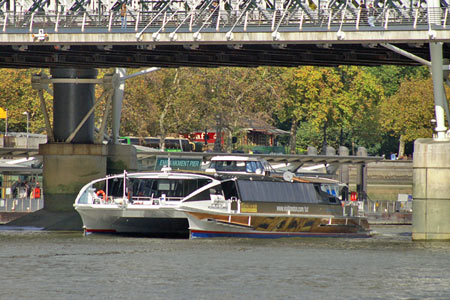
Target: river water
68,265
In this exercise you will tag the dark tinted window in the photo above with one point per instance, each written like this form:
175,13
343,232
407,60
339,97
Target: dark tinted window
205,195
170,187
115,187
229,189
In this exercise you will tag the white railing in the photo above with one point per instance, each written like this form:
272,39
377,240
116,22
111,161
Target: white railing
21,204
224,21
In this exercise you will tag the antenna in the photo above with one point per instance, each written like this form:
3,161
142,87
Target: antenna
167,168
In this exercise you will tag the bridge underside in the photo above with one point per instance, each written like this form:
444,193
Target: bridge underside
132,56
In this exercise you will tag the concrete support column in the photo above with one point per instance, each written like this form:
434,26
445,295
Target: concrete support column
437,72
361,176
121,157
71,103
431,190
344,176
67,167
117,105
438,88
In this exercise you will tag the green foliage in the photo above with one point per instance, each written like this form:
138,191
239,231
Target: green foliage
390,77
358,106
342,100
408,112
17,96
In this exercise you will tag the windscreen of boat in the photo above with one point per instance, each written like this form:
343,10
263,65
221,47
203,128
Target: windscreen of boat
177,188
237,166
272,191
228,166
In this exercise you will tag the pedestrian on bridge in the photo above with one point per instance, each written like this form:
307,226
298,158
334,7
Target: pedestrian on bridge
215,13
123,14
371,15
363,12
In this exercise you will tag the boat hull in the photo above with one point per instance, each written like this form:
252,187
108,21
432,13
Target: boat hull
204,225
133,221
272,235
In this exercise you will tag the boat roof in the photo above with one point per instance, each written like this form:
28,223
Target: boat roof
273,191
235,158
158,174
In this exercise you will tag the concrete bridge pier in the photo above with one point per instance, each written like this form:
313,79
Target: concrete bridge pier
431,165
69,165
431,190
71,157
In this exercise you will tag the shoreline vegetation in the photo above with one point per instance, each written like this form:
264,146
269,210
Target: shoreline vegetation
383,109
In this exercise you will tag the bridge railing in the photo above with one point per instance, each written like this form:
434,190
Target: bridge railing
223,21
21,204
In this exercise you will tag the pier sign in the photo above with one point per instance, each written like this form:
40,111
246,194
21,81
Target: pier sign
179,163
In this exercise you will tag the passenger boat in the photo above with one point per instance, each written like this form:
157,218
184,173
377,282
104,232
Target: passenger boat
241,202
139,203
255,205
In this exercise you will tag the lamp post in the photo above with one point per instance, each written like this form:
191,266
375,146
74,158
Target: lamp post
28,121
218,142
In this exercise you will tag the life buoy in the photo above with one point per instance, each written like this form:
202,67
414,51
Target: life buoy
37,193
101,192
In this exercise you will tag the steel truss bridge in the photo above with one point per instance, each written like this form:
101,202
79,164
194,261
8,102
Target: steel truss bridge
172,33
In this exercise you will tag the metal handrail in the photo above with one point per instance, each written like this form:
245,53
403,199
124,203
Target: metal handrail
344,19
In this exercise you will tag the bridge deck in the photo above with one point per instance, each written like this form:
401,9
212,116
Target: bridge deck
250,37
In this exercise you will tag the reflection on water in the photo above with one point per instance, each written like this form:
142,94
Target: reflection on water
41,265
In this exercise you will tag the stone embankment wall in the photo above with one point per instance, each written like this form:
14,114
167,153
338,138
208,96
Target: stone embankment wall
386,179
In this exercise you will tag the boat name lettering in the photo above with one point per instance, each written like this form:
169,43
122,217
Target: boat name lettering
293,208
249,208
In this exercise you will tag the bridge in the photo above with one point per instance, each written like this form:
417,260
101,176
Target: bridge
73,37
172,33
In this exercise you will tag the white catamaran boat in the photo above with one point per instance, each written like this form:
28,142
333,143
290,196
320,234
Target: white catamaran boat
139,203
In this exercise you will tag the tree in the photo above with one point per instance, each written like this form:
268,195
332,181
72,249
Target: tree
17,96
335,100
307,93
407,114
391,77
359,111
237,94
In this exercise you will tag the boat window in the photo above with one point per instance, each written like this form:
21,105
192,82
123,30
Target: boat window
99,186
251,167
228,166
259,167
330,189
325,193
271,191
229,189
204,195
177,188
115,187
254,167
